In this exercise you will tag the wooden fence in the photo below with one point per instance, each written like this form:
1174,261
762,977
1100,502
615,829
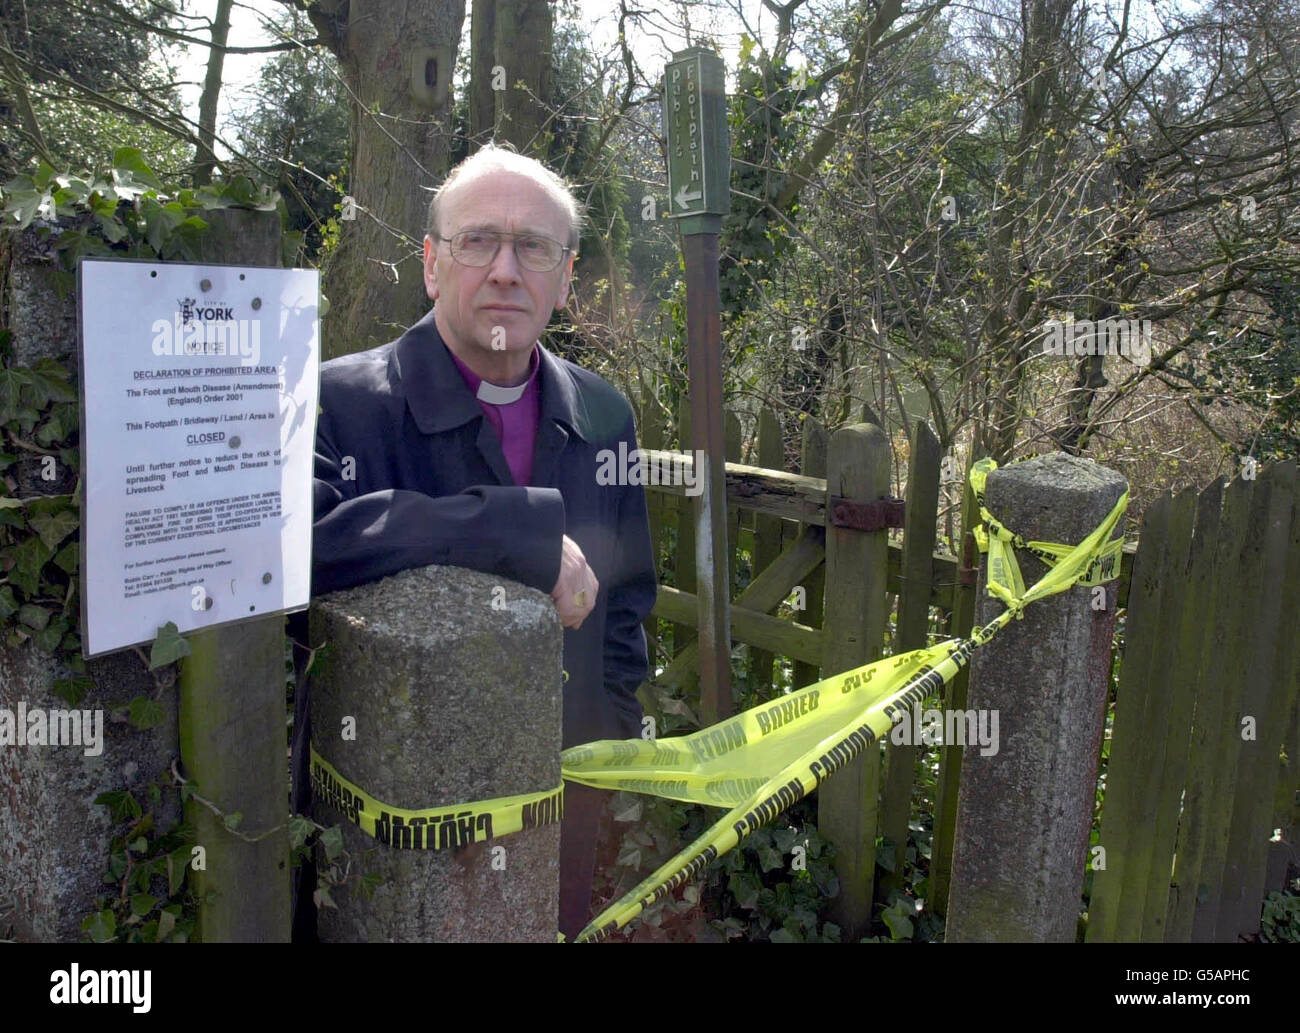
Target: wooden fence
1203,763
826,530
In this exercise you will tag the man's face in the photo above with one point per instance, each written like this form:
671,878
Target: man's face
501,307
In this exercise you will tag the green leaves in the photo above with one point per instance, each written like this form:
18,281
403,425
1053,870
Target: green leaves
168,647
300,829
332,840
144,712
122,806
23,201
101,926
73,690
129,163
52,528
141,859
126,212
898,917
28,557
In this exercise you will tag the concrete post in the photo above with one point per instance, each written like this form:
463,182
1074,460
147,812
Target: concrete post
1024,813
453,681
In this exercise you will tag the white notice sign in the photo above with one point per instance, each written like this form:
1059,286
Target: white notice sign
199,394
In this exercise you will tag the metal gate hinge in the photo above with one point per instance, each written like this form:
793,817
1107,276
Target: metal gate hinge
866,516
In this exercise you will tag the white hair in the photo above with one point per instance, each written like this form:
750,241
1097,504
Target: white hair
495,158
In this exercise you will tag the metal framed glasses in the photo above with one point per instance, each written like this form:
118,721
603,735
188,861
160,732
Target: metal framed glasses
477,248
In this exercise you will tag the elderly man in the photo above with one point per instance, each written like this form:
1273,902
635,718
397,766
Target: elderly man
465,442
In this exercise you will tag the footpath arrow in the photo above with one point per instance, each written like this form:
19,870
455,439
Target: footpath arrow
684,199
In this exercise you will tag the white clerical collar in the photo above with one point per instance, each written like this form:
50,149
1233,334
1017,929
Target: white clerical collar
495,394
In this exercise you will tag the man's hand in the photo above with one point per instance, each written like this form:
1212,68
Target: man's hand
575,592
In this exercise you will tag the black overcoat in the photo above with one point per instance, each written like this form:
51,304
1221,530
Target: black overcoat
428,483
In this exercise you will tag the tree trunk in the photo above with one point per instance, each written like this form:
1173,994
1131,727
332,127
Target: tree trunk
1029,169
205,157
397,58
510,42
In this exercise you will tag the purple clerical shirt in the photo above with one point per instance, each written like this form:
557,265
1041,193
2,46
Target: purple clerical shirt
515,422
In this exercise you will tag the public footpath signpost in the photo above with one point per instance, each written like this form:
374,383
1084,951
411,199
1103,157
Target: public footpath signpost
695,123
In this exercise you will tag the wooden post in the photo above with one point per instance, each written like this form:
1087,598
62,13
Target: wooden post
232,715
919,517
856,563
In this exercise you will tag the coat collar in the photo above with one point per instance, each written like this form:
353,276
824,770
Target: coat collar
439,399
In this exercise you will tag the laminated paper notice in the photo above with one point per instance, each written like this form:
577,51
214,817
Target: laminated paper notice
199,396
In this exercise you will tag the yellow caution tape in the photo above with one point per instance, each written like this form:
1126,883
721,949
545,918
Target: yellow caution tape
760,762
433,828
822,727
994,538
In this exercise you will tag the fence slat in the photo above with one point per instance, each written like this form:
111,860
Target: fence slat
920,516
1286,807
1202,759
1123,785
767,535
857,468
787,638
764,594
1193,588
1156,738
1213,741
960,621
1262,626
815,442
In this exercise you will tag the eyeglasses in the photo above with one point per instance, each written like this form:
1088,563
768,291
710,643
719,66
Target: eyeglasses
477,248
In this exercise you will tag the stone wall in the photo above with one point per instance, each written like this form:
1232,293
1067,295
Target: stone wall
53,838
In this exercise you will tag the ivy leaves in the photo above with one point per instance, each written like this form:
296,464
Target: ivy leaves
124,211
38,564
38,601
150,901
168,647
